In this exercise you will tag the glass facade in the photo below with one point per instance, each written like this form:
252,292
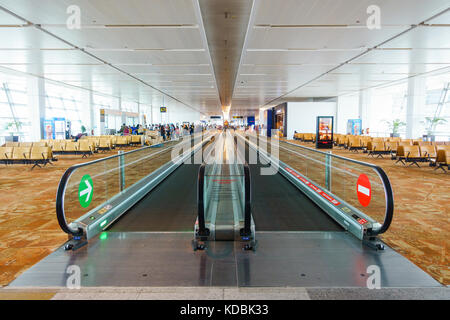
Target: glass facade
15,114
66,103
437,107
388,104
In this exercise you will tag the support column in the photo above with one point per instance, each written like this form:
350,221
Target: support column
36,102
365,98
92,124
141,115
416,100
88,118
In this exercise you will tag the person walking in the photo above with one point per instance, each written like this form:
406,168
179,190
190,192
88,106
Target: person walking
163,132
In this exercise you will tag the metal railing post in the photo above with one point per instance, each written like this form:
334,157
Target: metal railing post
328,170
121,170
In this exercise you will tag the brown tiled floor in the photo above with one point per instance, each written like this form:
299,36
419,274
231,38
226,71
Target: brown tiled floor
29,230
420,229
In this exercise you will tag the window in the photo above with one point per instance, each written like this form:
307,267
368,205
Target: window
388,104
15,115
64,102
437,106
129,106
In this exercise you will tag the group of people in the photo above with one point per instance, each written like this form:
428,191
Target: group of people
167,131
129,130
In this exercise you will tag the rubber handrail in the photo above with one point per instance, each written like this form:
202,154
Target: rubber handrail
60,213
389,195
202,231
248,201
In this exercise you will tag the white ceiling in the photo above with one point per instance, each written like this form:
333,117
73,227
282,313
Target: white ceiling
142,49
322,48
128,48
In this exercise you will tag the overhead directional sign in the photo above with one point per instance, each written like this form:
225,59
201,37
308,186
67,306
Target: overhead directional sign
85,191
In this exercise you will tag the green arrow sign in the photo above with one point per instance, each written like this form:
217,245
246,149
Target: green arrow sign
86,191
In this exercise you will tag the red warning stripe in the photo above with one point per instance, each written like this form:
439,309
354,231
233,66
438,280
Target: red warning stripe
224,181
314,187
362,221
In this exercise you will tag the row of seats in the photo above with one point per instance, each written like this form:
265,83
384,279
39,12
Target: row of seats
306,137
27,155
26,144
84,147
87,145
404,151
438,156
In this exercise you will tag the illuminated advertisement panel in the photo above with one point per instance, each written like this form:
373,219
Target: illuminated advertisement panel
324,133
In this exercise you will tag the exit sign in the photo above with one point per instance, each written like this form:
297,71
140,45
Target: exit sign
163,109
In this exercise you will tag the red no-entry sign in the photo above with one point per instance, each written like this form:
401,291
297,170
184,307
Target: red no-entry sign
363,190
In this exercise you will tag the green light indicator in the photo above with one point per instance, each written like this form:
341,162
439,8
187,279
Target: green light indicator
104,236
103,223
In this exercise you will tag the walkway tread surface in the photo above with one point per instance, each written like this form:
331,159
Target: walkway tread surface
296,259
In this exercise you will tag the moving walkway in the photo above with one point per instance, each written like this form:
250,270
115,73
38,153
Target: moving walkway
140,218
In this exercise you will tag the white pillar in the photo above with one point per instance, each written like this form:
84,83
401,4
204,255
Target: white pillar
416,100
141,114
36,103
92,125
88,118
365,97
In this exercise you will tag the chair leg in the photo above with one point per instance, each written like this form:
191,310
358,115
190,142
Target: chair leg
36,164
414,163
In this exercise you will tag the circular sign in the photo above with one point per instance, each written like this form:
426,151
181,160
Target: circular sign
364,190
85,191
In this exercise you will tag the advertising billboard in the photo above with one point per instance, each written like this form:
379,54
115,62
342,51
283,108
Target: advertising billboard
324,132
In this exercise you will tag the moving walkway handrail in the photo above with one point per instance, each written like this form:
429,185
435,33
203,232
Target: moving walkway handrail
202,230
248,201
389,196
60,214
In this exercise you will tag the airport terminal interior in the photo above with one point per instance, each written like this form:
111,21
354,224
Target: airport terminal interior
224,149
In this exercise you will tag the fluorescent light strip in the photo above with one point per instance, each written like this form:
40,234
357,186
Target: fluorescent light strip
162,65
322,26
143,49
172,74
302,49
38,49
125,26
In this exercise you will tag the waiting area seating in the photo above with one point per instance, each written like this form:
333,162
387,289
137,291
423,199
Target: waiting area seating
152,137
404,151
35,155
88,145
443,157
410,153
84,147
306,137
